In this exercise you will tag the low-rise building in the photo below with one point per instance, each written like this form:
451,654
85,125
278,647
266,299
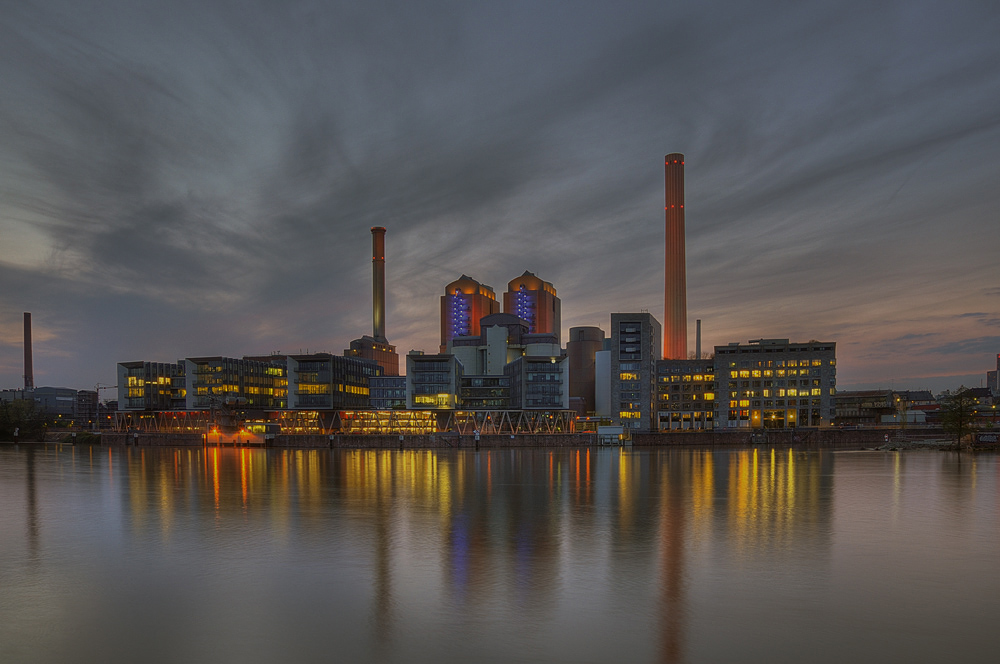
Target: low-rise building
865,407
685,394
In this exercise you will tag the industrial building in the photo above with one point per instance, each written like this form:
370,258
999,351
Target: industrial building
535,301
377,347
464,303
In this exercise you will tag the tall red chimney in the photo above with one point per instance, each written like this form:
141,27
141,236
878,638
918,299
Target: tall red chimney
378,282
675,273
29,378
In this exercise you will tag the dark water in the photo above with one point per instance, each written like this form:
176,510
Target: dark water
178,555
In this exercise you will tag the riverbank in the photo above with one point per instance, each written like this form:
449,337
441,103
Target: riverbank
857,439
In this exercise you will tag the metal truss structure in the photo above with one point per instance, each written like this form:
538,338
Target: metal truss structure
465,422
511,421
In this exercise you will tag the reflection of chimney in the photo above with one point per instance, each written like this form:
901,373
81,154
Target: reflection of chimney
378,282
29,378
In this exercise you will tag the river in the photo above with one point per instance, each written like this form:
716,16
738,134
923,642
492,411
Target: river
571,555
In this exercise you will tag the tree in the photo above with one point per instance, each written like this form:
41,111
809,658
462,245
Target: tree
23,416
958,415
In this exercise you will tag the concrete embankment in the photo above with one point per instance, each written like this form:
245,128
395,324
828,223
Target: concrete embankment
354,441
835,438
828,437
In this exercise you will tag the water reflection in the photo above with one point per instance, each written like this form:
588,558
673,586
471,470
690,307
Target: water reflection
576,554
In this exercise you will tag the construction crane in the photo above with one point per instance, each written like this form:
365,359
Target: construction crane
98,388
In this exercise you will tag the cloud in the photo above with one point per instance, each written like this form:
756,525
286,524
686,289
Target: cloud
194,180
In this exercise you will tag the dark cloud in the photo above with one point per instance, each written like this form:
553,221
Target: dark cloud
194,179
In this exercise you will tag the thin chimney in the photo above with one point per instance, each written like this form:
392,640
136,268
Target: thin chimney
378,283
29,377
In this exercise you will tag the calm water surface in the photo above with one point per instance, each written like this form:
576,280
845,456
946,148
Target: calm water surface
589,555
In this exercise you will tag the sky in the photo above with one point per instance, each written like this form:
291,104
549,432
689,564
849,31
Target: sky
183,179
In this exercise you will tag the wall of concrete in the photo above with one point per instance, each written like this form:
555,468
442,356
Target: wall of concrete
827,437
142,439
433,441
847,438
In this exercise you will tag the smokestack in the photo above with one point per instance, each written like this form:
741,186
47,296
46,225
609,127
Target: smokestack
29,377
697,343
378,282
675,273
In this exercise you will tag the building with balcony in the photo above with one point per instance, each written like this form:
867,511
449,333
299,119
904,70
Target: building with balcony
539,381
151,386
249,383
387,392
432,381
323,381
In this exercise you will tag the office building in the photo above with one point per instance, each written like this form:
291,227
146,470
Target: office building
582,348
387,392
539,382
771,383
432,381
535,301
151,386
215,381
323,381
635,349
685,394
464,303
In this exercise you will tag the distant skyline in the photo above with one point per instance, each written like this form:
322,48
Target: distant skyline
188,179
